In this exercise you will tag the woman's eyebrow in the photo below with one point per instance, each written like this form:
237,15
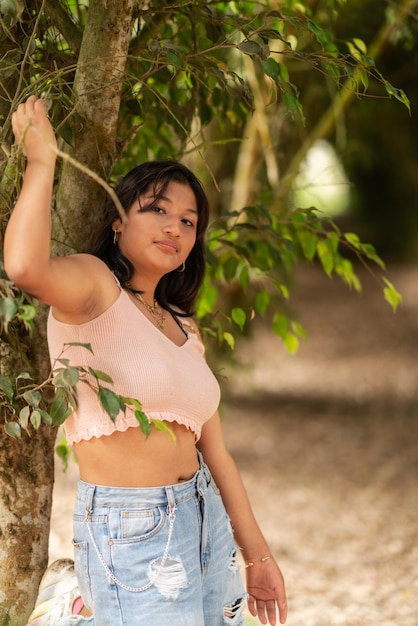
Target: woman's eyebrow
152,196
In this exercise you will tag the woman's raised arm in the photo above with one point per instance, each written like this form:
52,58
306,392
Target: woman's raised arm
68,283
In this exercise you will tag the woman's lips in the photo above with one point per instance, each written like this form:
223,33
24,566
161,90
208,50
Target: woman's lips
167,245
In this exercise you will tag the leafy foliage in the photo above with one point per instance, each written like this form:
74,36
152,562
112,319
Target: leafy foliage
256,247
186,90
24,404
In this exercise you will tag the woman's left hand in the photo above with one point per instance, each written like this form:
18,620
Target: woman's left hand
266,592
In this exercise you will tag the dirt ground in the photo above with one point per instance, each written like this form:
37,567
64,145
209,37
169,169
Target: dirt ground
327,443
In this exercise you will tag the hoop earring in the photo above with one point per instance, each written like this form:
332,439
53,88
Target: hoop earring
183,267
116,235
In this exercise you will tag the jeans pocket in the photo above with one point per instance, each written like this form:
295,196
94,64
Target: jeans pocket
140,523
135,525
82,570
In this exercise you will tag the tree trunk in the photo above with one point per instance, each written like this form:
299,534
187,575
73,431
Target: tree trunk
97,92
27,467
26,481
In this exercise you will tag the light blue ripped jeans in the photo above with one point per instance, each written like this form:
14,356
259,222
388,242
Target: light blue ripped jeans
162,556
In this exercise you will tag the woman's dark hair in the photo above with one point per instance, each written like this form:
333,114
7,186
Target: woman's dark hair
179,289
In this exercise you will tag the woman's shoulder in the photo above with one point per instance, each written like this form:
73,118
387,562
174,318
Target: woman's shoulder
187,323
191,326
96,269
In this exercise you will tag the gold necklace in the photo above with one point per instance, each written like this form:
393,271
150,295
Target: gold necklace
155,310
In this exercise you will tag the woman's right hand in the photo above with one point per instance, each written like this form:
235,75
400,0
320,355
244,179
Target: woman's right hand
31,125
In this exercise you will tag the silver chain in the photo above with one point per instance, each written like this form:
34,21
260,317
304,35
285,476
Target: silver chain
172,517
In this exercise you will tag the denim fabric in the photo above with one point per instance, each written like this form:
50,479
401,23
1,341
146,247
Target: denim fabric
161,556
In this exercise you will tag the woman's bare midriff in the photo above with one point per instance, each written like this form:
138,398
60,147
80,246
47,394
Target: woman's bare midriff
129,459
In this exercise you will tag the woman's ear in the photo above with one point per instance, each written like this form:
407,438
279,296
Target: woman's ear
116,224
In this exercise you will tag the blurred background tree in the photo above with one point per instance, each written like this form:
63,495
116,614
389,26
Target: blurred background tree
381,155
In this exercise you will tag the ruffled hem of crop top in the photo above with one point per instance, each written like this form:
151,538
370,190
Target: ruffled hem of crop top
122,424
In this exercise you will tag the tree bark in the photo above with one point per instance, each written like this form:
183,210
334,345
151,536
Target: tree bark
26,480
97,93
27,467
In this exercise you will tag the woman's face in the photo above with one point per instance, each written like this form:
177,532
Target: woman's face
158,238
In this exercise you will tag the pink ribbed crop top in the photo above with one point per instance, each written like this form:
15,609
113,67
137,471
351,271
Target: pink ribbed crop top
173,383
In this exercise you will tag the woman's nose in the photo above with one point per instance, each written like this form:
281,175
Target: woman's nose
172,227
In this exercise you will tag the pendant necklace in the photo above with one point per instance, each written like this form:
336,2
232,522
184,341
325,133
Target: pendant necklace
155,309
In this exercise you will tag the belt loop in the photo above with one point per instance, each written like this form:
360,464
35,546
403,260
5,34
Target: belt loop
204,470
200,457
89,501
201,481
171,501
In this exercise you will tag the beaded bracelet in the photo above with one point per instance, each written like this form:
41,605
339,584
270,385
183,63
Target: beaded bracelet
252,563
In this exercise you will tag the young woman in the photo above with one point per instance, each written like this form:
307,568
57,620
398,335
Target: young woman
153,518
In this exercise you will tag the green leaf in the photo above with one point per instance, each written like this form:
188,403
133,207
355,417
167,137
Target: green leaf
392,295
27,312
251,48
7,387
371,254
354,51
46,418
321,35
344,269
353,240
276,71
82,345
229,339
308,242
299,330
364,77
110,401
163,427
326,256
333,70
284,290
239,317
270,33
66,377
64,362
60,410
280,325
8,310
33,398
262,301
35,419
291,343
244,277
63,451
207,300
333,240
359,43
399,94
71,376
143,422
24,376
294,107
98,375
230,267
24,417
13,429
